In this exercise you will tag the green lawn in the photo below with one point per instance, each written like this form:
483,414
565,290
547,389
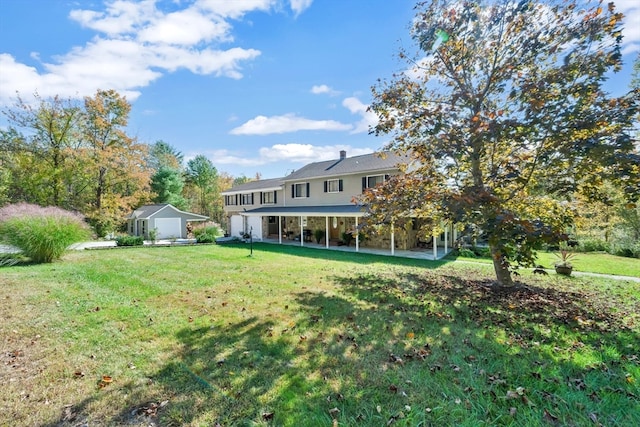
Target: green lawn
201,335
590,262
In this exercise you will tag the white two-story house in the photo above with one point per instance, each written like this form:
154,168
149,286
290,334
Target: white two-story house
318,199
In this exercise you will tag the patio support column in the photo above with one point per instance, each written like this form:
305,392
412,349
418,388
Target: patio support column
301,233
326,232
435,247
357,234
446,238
280,229
393,241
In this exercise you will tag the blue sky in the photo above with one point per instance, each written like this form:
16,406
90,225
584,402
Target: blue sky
257,86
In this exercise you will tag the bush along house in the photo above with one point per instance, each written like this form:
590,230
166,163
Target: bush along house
314,206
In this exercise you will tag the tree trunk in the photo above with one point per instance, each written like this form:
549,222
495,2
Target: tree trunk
503,275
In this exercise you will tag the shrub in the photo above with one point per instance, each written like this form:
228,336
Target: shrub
153,235
467,253
205,238
42,234
129,241
206,234
318,235
629,250
482,252
593,245
347,238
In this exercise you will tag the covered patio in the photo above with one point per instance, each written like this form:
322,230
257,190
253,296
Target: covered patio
295,226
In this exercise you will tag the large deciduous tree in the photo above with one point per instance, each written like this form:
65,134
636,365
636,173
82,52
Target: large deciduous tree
501,107
114,163
43,161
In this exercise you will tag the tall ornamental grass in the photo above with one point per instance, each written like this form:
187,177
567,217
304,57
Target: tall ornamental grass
42,234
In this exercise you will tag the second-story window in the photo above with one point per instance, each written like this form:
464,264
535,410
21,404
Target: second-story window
300,190
246,199
333,186
268,198
231,200
373,180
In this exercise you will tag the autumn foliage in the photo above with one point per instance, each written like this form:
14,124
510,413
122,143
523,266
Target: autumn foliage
506,119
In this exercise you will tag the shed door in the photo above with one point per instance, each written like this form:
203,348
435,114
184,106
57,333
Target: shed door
168,228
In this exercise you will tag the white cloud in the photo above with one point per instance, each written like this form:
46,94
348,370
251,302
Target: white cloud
120,16
262,125
307,153
369,119
135,44
291,154
631,31
322,89
299,6
186,27
235,9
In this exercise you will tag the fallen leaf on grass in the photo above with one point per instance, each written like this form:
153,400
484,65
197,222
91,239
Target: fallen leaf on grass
334,412
267,416
105,381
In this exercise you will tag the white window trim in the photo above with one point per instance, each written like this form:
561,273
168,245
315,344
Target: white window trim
273,197
295,186
372,176
337,182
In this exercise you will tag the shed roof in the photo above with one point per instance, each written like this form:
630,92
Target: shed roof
148,211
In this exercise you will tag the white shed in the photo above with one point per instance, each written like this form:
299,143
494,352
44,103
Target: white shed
168,221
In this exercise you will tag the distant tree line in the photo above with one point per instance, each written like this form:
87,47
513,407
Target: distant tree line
77,156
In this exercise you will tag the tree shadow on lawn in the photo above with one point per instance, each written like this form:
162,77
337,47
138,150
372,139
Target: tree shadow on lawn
339,255
405,348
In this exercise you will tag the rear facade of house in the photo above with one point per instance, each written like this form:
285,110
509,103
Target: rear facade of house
320,199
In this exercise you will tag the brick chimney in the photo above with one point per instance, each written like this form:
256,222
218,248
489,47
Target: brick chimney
343,154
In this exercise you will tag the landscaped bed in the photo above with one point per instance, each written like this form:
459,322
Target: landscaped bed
207,335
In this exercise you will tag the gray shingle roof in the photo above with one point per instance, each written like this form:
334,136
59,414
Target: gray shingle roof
147,211
262,184
350,165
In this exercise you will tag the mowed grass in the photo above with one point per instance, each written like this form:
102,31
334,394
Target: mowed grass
589,262
206,335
